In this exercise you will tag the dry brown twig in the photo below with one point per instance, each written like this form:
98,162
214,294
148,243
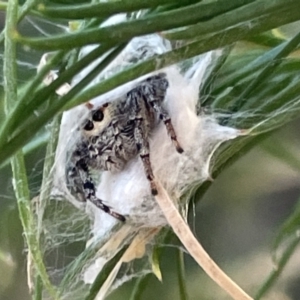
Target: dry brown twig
195,249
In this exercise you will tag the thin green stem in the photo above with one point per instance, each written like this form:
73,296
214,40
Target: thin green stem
17,162
125,31
181,275
234,17
38,288
266,39
270,281
27,6
293,221
102,9
10,57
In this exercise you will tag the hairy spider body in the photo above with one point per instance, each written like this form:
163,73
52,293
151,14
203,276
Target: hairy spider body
115,133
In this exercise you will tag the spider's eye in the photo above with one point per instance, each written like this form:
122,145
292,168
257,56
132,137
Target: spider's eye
98,116
89,125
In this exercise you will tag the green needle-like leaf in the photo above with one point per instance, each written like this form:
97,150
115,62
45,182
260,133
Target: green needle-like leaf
123,32
102,9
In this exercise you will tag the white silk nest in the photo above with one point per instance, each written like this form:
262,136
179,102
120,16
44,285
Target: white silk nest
128,191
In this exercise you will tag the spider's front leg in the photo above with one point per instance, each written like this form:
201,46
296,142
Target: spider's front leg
85,188
143,148
90,194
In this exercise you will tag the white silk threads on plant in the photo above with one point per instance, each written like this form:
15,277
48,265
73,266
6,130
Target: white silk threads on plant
128,191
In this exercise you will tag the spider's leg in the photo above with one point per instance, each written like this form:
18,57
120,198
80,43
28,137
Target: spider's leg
164,116
143,148
87,188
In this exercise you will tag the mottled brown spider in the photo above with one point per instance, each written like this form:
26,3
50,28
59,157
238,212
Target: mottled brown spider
115,133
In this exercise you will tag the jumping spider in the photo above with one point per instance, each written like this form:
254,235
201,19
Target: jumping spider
116,132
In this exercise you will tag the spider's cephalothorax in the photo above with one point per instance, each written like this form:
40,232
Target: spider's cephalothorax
115,133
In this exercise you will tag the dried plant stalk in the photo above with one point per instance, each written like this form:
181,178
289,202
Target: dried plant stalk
195,249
